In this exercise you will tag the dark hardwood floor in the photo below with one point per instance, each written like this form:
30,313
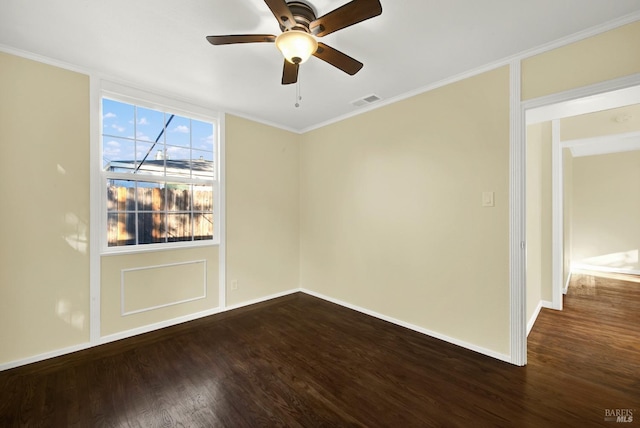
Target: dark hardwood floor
302,362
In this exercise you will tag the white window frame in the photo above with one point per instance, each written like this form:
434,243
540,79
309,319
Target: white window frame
144,99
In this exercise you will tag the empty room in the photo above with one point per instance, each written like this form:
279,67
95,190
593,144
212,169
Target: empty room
319,213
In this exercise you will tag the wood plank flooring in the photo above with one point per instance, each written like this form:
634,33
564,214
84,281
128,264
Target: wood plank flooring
299,361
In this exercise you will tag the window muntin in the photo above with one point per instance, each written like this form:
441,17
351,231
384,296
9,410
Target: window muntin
159,169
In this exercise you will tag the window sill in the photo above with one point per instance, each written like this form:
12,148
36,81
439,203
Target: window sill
149,248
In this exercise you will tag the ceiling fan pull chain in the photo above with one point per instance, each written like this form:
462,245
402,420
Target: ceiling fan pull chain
298,96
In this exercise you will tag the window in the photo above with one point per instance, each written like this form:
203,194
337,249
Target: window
159,172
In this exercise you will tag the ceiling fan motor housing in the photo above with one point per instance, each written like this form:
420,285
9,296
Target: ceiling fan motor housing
303,13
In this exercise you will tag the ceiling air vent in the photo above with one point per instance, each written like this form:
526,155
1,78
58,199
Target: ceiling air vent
366,100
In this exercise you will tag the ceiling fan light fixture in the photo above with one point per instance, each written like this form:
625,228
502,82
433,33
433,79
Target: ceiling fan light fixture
296,46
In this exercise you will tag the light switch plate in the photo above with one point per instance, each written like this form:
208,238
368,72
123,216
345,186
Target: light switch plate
488,199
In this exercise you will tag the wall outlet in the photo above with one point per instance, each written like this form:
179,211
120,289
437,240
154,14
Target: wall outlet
234,284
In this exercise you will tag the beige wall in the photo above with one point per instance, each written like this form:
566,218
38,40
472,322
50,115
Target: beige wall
44,272
391,214
603,57
44,179
262,210
538,216
534,219
567,212
606,210
546,211
620,120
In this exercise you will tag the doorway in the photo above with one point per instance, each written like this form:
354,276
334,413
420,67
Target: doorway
561,135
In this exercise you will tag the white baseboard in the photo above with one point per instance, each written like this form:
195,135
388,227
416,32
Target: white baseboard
567,282
534,316
137,331
157,326
45,356
191,317
262,299
463,344
595,268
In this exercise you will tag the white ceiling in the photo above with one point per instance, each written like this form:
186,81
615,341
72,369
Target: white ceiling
160,45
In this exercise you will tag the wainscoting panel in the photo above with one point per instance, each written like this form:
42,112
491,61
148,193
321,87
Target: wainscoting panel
152,287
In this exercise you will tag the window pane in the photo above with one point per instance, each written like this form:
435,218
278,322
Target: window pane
202,198
149,125
178,197
121,229
202,164
178,227
179,131
143,211
178,153
118,154
149,159
146,151
117,118
178,168
202,226
178,164
121,195
203,156
151,228
151,196
202,136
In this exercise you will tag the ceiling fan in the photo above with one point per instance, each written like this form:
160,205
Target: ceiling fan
300,27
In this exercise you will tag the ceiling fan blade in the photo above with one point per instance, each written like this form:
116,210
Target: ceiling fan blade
282,13
289,73
344,16
241,38
336,58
